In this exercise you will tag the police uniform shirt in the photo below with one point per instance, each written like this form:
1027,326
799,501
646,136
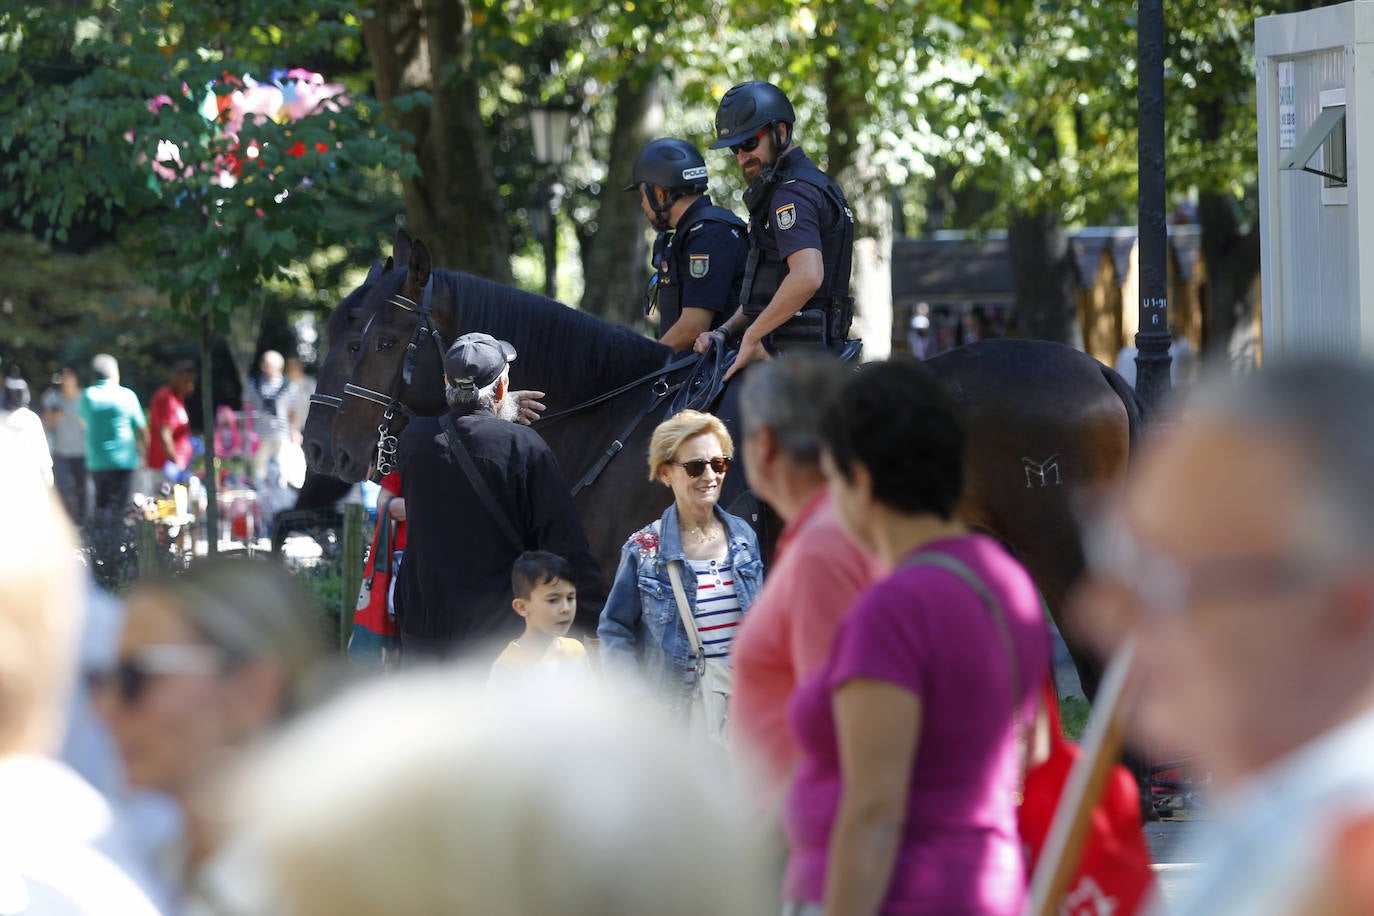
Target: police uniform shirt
798,210
700,268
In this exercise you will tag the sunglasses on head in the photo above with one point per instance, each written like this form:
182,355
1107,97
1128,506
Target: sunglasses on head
129,678
751,144
697,466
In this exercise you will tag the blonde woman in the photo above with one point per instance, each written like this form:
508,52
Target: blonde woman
721,569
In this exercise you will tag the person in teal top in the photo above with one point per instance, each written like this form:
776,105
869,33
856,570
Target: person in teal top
116,432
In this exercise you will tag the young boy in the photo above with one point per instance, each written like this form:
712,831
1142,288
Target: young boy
546,597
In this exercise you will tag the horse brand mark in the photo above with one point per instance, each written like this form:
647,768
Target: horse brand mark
1047,471
699,265
787,216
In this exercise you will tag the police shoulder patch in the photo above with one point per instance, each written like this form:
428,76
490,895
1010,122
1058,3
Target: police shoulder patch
698,265
787,216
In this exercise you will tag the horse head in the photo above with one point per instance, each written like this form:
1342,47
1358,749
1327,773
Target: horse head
342,332
397,368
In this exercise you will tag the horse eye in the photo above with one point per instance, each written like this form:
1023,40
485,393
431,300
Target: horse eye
353,347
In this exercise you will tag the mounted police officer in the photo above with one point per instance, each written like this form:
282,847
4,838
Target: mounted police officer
801,233
701,249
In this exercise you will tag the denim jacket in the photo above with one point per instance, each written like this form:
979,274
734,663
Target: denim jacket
640,629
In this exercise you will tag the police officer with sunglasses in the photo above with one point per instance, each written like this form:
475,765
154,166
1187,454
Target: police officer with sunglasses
801,233
700,252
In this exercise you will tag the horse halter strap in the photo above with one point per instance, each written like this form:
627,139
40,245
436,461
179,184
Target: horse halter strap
329,400
386,442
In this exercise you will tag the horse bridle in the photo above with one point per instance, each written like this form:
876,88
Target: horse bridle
386,442
329,400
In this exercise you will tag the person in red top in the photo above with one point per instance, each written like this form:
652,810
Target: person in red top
817,573
169,448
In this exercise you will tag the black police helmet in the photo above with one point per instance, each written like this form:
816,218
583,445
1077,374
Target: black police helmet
747,109
674,165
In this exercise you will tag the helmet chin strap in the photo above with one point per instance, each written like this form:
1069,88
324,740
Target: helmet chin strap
779,147
661,214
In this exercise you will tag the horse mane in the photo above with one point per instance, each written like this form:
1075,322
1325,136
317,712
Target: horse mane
585,355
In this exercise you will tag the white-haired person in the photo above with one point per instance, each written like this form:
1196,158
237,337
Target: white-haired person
556,803
209,662
715,554
59,852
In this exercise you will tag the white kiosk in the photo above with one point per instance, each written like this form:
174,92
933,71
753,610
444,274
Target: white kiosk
1314,72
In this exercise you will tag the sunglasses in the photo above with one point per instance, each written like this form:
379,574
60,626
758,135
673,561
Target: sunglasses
697,466
130,677
751,144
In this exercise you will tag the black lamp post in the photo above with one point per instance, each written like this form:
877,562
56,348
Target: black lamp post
1152,338
551,127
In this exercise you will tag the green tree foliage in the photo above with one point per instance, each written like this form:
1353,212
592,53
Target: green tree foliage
79,134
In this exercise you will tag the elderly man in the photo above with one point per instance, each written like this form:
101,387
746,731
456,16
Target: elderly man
116,432
479,490
1241,561
265,396
817,570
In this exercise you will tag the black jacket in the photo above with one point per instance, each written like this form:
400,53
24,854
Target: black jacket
454,584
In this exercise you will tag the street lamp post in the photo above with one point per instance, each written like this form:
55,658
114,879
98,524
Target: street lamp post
551,127
1152,339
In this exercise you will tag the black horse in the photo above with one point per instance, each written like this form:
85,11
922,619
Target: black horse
577,360
1044,421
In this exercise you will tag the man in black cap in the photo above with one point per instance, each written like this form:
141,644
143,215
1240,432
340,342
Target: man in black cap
479,491
700,251
801,232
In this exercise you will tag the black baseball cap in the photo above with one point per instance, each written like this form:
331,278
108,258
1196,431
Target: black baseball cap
476,360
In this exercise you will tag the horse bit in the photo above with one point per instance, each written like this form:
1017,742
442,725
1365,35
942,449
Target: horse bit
386,442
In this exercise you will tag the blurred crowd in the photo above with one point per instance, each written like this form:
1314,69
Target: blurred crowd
845,733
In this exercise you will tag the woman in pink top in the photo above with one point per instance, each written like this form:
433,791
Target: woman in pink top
903,802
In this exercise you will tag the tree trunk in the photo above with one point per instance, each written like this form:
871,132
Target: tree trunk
1042,275
615,258
849,163
453,203
1233,261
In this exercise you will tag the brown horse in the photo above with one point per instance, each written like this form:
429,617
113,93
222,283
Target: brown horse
1044,421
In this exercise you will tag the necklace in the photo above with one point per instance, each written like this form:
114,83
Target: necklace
705,534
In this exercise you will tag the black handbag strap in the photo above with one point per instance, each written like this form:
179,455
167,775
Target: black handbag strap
455,446
385,530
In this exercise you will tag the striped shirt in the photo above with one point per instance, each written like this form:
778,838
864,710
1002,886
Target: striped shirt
717,612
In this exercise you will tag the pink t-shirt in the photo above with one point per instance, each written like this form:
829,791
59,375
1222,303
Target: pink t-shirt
816,576
925,630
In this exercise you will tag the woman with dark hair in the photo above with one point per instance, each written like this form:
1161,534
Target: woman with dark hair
913,733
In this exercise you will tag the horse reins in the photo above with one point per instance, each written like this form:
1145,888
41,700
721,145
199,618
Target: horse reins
661,390
386,442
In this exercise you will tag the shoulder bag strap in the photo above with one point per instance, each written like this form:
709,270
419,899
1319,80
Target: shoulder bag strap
455,446
683,609
950,564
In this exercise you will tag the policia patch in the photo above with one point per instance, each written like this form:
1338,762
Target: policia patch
698,265
787,216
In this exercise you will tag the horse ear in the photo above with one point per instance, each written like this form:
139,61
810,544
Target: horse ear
419,266
400,252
